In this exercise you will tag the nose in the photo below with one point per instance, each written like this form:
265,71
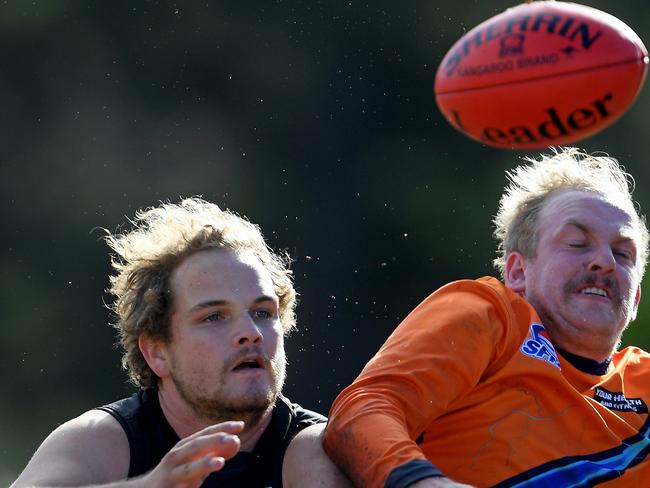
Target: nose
247,332
602,260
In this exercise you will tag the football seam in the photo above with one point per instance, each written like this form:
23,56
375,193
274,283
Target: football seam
539,78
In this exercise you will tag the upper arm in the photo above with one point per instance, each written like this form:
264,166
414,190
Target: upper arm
90,449
306,464
433,358
437,355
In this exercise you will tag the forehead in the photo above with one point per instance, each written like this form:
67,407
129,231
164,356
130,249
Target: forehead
218,274
590,210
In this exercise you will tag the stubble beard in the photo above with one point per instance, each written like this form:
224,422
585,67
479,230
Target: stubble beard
619,307
250,405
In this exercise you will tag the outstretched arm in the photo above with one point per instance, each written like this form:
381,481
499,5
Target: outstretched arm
436,356
92,450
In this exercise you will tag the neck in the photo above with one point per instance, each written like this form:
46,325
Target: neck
250,436
589,346
185,422
586,365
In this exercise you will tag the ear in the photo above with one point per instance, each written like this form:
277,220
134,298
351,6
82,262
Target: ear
515,272
156,355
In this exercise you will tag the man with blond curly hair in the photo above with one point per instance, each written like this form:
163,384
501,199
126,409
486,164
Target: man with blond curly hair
520,382
202,306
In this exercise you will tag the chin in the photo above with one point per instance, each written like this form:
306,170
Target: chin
258,394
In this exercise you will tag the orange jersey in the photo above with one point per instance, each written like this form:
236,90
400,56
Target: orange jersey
470,383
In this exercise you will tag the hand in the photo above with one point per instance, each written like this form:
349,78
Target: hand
438,482
193,458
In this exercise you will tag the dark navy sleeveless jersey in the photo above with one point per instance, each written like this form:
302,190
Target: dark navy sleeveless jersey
151,437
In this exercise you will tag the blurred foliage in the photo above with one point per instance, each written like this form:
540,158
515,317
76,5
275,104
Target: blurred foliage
314,119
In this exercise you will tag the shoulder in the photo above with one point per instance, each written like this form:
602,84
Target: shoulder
306,464
483,307
302,416
631,354
634,360
89,449
486,300
470,293
290,418
485,289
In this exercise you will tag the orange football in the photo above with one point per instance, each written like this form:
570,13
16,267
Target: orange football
541,74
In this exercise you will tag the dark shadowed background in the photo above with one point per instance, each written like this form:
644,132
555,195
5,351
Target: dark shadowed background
314,119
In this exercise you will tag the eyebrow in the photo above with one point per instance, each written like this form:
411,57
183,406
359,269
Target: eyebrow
220,303
579,225
623,236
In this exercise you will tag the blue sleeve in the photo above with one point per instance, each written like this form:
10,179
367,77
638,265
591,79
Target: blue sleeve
408,473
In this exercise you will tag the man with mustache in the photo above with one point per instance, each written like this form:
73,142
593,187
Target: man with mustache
202,308
518,383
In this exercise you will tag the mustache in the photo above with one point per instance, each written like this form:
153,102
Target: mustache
592,279
254,350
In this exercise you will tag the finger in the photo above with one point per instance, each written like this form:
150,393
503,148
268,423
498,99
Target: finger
233,427
197,471
218,444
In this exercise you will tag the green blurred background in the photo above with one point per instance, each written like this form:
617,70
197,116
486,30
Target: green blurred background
314,119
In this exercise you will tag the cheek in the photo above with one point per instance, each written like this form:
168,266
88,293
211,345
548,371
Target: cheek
552,276
275,341
632,285
279,359
197,350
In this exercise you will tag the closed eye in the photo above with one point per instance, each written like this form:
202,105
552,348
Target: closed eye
623,254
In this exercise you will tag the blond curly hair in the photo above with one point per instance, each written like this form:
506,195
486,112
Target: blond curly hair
531,185
144,258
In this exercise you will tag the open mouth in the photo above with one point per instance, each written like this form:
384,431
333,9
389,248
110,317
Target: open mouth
592,290
248,364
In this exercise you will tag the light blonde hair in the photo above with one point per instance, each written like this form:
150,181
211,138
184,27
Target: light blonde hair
531,185
144,258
